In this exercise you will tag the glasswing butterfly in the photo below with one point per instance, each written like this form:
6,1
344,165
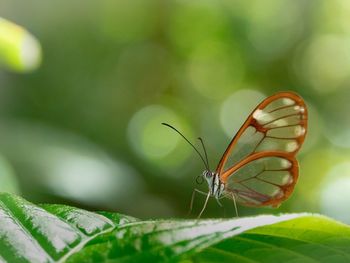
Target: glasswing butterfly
258,167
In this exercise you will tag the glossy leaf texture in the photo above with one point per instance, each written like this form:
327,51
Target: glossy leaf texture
308,239
48,233
59,233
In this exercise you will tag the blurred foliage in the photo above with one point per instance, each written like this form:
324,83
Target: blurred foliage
112,71
19,50
8,180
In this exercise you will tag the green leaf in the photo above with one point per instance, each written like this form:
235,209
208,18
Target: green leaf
312,238
49,233
30,233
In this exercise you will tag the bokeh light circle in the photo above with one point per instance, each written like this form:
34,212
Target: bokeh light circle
335,110
262,28
192,23
325,65
333,16
237,107
153,141
335,194
214,69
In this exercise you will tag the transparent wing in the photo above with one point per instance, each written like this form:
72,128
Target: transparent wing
263,179
272,134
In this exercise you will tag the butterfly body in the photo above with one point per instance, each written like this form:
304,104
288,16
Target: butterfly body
215,185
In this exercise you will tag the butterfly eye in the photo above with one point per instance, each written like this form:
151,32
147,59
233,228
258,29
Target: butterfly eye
208,174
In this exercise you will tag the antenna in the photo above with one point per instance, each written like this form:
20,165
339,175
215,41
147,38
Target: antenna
205,151
205,163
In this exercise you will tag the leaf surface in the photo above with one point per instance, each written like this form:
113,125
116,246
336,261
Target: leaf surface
59,233
48,233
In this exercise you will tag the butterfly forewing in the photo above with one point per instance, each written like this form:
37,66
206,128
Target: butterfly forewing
259,165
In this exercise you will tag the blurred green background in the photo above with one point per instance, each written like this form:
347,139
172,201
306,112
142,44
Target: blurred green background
84,128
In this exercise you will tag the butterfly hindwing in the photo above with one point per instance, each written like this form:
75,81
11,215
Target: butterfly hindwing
263,179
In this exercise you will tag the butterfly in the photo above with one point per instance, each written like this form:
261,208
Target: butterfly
259,167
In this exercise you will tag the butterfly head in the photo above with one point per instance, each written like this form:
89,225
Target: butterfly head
205,175
209,177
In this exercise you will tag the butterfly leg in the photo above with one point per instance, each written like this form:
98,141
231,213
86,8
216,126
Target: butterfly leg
205,205
234,202
221,205
192,198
